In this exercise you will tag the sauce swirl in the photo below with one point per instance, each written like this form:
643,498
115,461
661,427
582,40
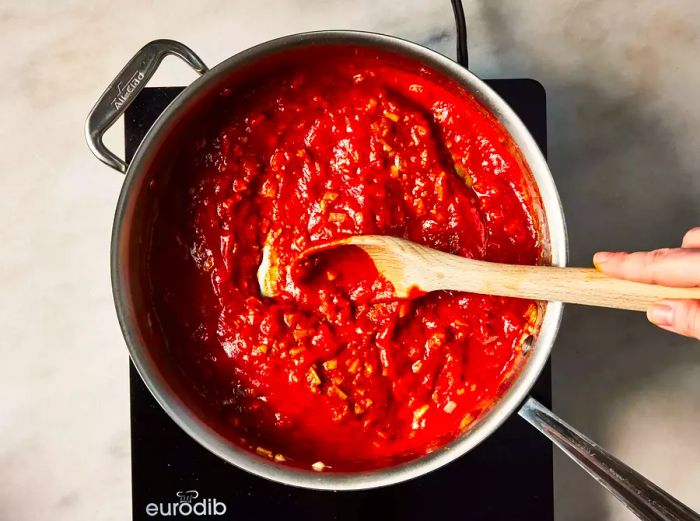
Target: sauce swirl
334,373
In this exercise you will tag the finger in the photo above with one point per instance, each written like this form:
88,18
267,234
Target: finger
692,238
670,267
680,316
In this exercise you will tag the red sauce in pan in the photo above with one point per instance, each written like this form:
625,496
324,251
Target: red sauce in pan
334,372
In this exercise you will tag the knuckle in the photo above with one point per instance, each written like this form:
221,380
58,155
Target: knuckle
658,255
654,265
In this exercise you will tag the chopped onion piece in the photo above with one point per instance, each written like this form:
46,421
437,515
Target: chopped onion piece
451,406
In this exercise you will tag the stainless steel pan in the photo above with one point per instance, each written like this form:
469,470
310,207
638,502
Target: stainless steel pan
147,348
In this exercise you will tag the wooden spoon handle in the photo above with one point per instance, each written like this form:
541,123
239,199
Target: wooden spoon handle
572,285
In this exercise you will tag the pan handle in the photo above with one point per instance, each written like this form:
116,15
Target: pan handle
123,90
640,495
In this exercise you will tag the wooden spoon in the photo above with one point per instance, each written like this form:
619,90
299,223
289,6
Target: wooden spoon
410,267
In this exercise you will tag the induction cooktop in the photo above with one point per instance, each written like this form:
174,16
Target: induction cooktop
507,477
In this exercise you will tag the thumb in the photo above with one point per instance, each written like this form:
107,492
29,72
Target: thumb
680,316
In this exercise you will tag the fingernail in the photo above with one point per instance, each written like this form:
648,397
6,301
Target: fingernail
601,256
660,314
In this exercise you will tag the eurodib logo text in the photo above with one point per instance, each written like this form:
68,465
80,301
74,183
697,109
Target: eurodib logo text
187,504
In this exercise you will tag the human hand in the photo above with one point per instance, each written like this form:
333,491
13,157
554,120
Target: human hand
678,267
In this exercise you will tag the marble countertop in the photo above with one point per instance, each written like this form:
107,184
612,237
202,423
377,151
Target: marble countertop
624,126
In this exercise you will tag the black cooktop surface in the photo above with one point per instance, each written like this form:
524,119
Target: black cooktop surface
507,477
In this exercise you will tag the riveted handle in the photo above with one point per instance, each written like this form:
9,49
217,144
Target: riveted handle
124,89
637,493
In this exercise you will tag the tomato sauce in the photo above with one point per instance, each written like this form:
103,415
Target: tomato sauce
334,373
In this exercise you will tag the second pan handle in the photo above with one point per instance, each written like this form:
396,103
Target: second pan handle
123,90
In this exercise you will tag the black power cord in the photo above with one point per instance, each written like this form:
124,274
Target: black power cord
461,24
